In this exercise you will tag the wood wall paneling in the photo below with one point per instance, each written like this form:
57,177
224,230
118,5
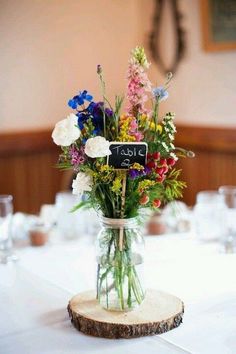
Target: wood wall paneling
27,169
27,164
215,158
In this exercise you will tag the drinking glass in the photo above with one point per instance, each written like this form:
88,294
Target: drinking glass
6,210
209,212
229,236
69,225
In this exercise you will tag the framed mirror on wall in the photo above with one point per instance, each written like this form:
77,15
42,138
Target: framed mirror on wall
218,19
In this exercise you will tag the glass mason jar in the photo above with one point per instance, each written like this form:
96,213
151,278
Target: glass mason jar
120,256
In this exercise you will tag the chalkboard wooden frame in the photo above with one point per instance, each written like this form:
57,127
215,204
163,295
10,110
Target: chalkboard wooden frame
139,159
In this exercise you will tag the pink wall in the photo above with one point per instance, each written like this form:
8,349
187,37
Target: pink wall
50,49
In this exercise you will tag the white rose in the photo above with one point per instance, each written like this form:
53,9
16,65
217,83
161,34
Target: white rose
66,131
97,147
82,183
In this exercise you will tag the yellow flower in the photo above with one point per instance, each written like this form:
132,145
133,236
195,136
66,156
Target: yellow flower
143,120
137,166
145,184
124,123
105,168
117,185
105,173
152,127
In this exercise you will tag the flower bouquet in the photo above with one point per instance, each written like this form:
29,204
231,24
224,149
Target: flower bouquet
124,160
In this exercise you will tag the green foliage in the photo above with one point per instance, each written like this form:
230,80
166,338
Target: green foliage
83,204
173,187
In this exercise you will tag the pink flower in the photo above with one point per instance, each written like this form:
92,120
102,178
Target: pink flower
138,136
138,85
133,126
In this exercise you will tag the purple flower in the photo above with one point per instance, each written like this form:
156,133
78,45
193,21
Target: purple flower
77,156
109,112
147,170
96,113
133,173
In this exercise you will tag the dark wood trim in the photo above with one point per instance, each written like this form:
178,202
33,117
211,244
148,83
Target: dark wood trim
27,160
188,136
18,143
206,138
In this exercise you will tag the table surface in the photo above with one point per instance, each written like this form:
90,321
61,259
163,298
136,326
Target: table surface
34,293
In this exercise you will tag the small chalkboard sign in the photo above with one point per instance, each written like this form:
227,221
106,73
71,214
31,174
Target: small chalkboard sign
124,155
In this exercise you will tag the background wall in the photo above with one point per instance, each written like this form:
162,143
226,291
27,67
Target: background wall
203,91
50,49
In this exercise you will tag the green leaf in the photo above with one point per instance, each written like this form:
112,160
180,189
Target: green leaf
82,204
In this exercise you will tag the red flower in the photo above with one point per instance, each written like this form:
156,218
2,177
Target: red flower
151,164
162,162
165,169
161,178
144,199
149,156
156,203
156,155
171,161
159,170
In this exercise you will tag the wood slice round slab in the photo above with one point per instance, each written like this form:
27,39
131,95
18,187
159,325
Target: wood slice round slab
160,312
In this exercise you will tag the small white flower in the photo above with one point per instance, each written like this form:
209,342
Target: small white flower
172,146
97,147
172,126
171,136
66,131
172,154
82,183
165,146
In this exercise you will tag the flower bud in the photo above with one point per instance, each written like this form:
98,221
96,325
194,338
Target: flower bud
99,69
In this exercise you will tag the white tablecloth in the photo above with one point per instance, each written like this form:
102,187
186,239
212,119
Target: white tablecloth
34,293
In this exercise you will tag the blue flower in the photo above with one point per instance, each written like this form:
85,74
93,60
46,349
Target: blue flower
160,93
79,99
82,118
96,114
95,131
91,107
72,103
